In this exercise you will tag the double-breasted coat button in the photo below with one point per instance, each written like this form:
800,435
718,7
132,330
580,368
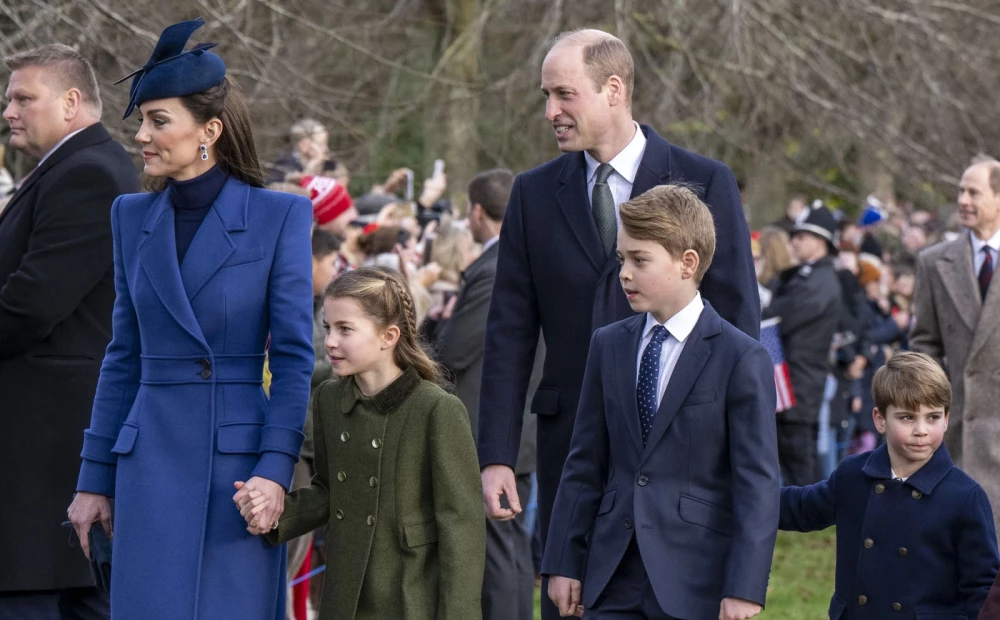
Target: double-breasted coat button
903,551
869,543
897,607
916,495
628,523
643,481
373,482
371,520
862,600
341,476
345,436
340,514
376,443
880,488
206,369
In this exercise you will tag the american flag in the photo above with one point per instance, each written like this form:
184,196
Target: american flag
770,337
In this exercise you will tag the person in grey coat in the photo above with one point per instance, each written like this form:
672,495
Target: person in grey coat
508,586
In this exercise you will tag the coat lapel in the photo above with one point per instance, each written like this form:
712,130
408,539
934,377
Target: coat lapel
158,257
572,198
627,352
212,244
654,168
989,317
691,362
958,276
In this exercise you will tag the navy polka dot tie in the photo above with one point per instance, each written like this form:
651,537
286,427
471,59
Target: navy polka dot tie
647,388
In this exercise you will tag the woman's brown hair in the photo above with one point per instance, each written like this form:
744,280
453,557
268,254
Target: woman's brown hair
235,149
386,299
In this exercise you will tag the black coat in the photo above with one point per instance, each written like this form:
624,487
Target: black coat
56,295
809,304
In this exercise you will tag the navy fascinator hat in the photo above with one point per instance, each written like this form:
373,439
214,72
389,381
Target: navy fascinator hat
172,72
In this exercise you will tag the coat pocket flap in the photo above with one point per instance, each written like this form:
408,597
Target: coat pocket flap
126,439
421,534
700,512
239,438
607,502
837,608
699,398
545,402
245,255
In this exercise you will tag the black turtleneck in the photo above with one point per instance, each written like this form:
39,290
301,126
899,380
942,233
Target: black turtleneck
192,200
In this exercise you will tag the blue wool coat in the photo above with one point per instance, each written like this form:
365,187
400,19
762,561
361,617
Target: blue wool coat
924,548
180,412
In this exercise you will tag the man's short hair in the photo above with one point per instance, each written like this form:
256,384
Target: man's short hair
604,55
324,243
491,190
992,166
911,380
305,128
674,217
66,69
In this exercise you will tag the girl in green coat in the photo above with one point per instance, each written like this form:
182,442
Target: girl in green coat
397,482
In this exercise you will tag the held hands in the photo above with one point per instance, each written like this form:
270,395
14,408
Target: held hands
499,480
735,609
565,593
87,509
261,502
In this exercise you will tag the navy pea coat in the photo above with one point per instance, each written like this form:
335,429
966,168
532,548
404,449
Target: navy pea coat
180,411
923,548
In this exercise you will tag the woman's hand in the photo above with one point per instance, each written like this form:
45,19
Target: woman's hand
273,504
87,509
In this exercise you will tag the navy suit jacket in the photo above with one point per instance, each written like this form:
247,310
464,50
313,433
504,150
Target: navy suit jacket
926,545
553,274
701,496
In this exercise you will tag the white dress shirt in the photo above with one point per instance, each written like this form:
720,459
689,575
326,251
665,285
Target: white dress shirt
678,328
978,257
895,477
626,165
490,242
56,147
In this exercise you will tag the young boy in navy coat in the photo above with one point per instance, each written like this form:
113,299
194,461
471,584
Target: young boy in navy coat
915,535
673,465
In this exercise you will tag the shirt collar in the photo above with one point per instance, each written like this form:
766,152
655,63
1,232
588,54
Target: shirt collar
924,479
626,162
681,324
60,143
977,244
490,242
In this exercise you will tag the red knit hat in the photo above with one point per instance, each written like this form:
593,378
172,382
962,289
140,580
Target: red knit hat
329,198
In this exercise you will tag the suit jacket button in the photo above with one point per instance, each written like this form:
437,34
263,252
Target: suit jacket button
373,482
897,607
903,551
345,436
371,520
376,443
628,523
916,494
862,600
341,476
340,514
880,488
869,543
643,481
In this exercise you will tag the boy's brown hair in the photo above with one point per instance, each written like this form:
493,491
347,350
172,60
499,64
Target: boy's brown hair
909,380
674,217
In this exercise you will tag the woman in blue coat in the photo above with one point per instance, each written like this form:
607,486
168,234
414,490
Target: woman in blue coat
208,271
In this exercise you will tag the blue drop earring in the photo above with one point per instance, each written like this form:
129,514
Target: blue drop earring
204,152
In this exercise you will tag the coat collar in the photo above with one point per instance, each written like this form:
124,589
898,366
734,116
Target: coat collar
391,396
958,276
924,479
488,256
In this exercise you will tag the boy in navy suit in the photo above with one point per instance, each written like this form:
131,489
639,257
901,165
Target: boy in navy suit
673,465
915,534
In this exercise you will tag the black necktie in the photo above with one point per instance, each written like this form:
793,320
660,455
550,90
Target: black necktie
986,272
603,204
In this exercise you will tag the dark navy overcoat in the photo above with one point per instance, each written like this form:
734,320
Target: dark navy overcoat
180,412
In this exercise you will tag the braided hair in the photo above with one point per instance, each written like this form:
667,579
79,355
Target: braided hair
386,299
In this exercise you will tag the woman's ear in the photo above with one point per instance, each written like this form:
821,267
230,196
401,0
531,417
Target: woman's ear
390,337
211,131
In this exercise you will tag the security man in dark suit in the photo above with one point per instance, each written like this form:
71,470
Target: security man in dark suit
56,296
557,271
509,580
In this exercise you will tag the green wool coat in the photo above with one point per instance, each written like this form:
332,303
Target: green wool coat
397,486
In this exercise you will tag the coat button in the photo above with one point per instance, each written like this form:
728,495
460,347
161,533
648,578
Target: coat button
373,482
206,368
903,551
880,488
376,443
371,520
869,543
345,436
628,523
916,495
897,607
643,481
341,476
340,514
862,600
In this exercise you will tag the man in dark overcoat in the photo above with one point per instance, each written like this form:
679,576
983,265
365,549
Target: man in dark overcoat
56,296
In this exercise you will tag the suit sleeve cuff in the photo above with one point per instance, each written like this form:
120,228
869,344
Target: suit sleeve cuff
276,467
98,478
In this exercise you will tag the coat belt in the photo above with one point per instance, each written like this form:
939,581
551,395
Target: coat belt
173,370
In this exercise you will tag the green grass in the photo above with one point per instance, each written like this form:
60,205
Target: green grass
801,577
